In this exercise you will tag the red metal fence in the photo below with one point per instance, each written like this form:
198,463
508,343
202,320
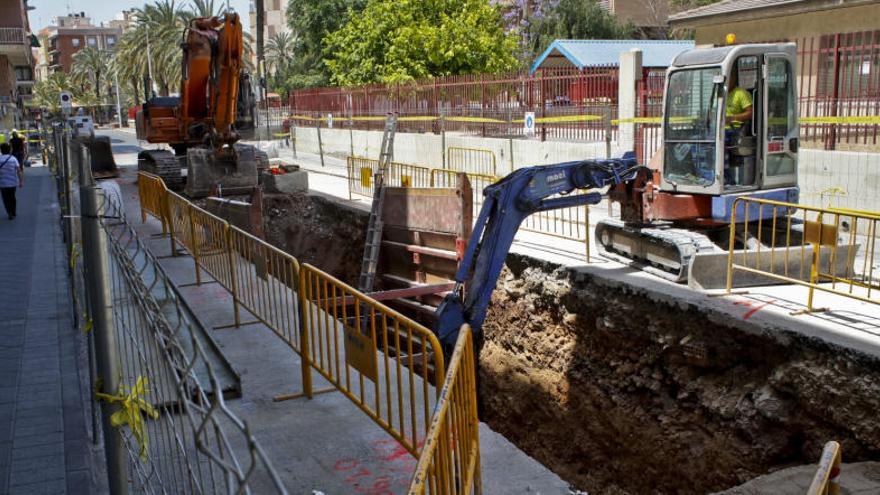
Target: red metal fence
839,100
569,104
839,89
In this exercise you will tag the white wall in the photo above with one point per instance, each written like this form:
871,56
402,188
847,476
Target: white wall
426,149
856,173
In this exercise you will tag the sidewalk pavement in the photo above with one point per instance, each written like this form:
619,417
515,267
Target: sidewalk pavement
45,445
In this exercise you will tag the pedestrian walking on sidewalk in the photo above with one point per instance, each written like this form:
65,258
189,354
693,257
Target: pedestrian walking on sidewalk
11,176
19,147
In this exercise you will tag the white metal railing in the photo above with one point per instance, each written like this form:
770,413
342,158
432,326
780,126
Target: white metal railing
12,36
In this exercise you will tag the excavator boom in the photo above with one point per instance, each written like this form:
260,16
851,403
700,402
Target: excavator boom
200,125
507,203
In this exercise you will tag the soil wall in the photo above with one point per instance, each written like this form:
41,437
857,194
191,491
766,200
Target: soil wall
619,393
317,230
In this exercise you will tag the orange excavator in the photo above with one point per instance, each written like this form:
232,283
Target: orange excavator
200,124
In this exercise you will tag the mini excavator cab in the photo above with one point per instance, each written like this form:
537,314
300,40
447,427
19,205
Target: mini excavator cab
730,120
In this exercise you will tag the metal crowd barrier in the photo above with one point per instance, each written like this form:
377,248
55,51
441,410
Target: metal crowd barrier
362,170
352,341
385,363
151,190
567,223
166,427
818,248
450,460
471,160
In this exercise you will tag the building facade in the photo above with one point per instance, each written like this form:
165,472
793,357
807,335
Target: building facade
275,22
16,64
69,34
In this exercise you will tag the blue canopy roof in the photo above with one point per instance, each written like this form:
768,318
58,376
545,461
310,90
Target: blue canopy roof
589,53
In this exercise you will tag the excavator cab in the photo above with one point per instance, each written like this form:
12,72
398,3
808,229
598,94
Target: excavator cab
730,121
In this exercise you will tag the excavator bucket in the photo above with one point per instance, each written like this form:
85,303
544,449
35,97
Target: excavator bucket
102,163
235,173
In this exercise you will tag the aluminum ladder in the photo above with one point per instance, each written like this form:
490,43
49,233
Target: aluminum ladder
374,227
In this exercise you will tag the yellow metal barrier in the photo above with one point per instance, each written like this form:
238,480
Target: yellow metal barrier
151,190
381,360
385,363
266,279
471,160
447,178
362,170
818,248
450,460
827,478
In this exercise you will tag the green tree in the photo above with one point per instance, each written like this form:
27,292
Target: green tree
47,93
279,52
412,39
279,61
311,21
576,19
90,65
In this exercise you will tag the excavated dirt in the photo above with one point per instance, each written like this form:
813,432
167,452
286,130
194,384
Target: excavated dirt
620,394
318,231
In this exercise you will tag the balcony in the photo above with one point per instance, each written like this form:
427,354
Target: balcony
13,36
15,44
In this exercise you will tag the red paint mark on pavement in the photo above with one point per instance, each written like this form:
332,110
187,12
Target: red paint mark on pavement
752,305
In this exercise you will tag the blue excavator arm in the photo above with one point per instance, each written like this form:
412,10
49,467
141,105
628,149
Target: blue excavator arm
507,203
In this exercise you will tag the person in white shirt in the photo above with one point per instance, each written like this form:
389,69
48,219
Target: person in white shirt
11,176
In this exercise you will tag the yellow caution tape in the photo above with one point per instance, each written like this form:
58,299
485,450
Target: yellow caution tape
416,118
864,119
561,119
638,120
132,405
367,117
478,120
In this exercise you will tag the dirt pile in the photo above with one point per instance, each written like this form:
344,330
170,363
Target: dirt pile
318,231
621,394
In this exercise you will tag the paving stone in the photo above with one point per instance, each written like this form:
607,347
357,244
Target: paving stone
50,487
43,428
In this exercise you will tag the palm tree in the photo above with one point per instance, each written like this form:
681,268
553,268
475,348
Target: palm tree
47,92
161,25
89,66
279,52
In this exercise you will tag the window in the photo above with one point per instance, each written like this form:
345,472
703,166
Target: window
689,127
111,40
92,41
781,123
75,42
23,74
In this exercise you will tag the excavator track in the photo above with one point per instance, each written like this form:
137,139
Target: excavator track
164,164
662,251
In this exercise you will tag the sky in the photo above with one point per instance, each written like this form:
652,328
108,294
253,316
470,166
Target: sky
99,10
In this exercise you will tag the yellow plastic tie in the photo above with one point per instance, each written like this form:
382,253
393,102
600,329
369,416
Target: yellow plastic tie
74,253
89,324
132,405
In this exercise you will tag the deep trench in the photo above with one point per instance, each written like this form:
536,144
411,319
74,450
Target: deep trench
619,392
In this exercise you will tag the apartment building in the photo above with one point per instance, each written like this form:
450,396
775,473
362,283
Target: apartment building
16,64
69,34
